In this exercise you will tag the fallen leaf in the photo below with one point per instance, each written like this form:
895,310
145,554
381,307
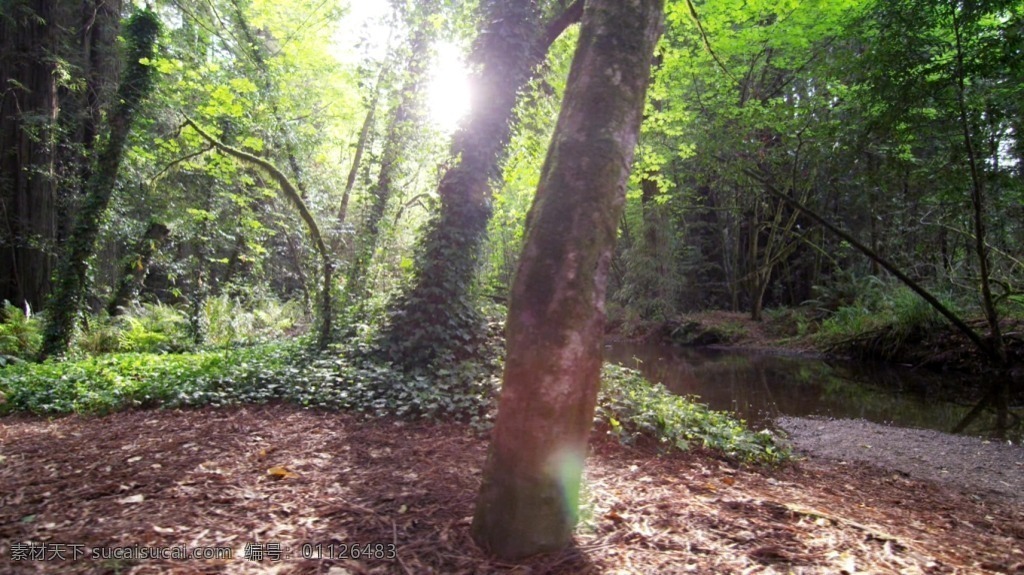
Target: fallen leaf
728,481
281,472
137,498
614,517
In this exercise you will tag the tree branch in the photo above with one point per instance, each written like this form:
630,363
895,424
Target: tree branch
293,196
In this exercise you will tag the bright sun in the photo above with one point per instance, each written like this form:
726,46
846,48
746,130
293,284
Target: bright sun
448,87
448,93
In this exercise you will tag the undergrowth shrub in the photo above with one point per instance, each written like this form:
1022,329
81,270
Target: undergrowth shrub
111,382
345,379
632,407
882,330
229,321
21,334
154,328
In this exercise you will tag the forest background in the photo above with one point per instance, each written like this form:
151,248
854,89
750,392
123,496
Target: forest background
236,173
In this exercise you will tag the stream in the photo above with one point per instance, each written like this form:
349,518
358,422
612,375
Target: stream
760,387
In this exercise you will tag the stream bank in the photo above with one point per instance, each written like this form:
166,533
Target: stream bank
972,465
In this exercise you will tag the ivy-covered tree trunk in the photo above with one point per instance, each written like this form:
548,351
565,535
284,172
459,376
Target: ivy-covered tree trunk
528,501
65,304
436,317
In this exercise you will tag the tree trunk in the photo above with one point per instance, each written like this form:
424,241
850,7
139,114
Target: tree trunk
361,144
47,129
528,501
137,266
70,280
977,200
435,317
28,115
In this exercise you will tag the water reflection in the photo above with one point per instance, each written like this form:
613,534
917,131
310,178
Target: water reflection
760,387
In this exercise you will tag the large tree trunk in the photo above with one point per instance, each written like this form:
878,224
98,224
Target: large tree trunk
435,317
528,501
28,117
47,129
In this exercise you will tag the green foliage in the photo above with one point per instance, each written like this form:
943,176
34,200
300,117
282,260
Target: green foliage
154,328
129,380
348,378
230,321
285,371
354,381
632,407
880,327
20,334
161,328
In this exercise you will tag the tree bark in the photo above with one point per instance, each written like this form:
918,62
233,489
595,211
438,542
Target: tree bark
48,129
29,38
528,501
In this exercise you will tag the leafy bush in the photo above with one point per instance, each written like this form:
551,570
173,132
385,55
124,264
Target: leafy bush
101,335
229,322
463,392
118,381
631,407
20,334
881,330
154,328
346,379
789,322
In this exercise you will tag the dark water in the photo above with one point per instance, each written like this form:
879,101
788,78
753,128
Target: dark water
759,387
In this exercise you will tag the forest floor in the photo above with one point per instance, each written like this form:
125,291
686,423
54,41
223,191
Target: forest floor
277,475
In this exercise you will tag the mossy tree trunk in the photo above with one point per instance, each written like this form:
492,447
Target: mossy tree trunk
69,289
57,76
436,317
528,501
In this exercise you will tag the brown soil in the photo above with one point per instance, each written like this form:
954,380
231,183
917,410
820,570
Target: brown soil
166,478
